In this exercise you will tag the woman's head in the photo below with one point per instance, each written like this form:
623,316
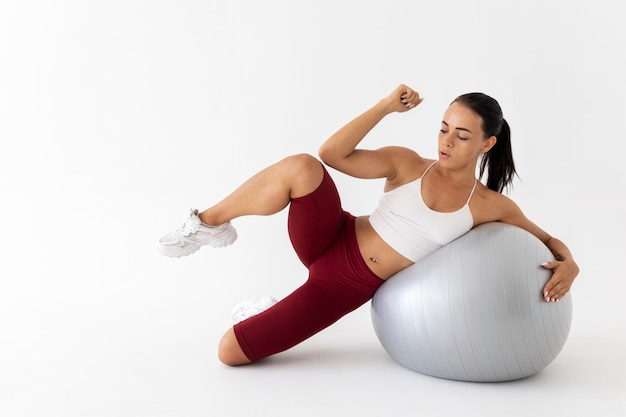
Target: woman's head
498,160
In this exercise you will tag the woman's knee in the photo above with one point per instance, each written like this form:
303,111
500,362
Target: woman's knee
303,162
306,173
229,351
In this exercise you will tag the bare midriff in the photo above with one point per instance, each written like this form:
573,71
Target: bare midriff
381,258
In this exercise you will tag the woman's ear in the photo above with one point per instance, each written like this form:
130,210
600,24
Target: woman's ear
488,144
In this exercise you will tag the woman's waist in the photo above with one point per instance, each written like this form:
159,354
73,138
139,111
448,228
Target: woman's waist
382,259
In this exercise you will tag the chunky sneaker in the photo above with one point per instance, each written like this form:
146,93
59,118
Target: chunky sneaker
194,234
247,308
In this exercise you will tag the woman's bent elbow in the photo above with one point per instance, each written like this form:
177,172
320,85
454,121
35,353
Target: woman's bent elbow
323,154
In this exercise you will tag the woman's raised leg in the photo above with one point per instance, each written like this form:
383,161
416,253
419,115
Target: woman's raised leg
266,193
269,191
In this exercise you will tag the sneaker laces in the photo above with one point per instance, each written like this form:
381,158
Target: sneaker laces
189,227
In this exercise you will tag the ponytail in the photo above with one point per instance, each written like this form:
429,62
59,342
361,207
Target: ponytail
499,161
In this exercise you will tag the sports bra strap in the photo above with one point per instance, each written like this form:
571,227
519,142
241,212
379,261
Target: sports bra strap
472,193
427,169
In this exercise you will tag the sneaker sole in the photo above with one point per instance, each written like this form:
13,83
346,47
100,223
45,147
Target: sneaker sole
177,251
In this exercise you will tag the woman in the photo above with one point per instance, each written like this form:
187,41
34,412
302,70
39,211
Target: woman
427,203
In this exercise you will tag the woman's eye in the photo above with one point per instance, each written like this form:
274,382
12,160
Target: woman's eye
462,138
443,131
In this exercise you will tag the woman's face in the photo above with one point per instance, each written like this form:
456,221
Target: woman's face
461,138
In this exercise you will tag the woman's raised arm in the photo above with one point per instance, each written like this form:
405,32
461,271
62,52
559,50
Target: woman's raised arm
340,152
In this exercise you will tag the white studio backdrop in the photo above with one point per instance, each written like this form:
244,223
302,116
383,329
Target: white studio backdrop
117,117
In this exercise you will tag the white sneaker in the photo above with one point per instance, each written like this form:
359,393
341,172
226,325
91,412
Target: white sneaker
194,234
246,309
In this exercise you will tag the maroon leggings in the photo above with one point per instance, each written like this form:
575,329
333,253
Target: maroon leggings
339,281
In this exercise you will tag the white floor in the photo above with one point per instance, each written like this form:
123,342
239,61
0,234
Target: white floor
124,332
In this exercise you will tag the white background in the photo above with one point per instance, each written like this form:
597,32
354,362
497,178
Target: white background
117,117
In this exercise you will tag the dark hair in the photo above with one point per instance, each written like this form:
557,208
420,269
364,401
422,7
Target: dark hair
499,160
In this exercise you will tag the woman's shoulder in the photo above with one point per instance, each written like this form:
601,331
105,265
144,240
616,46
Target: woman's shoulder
401,152
408,164
490,206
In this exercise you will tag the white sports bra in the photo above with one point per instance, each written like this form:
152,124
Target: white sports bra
409,226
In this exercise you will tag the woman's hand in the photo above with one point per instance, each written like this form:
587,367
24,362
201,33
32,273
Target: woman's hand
564,268
563,275
403,99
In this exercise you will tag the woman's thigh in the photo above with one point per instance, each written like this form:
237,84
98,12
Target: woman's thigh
314,220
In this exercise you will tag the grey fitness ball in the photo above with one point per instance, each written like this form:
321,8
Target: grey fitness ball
473,310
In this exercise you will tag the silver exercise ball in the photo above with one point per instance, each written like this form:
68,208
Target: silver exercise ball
473,310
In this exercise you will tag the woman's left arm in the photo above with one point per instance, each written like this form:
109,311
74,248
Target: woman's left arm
564,268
